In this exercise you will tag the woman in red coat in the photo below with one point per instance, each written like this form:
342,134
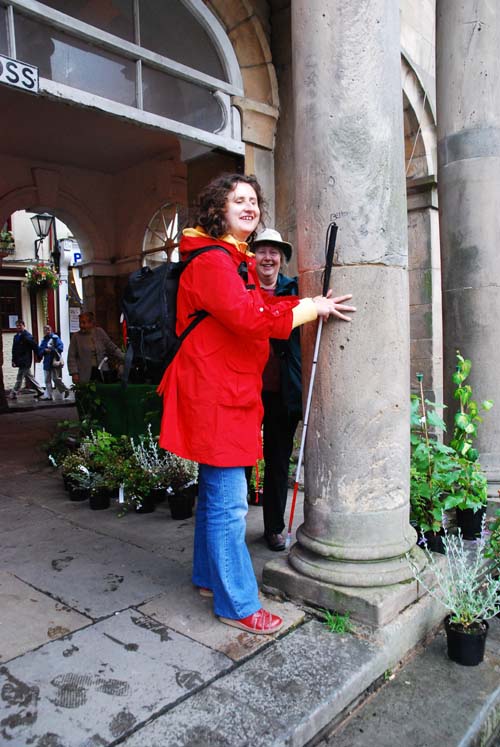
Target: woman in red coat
212,411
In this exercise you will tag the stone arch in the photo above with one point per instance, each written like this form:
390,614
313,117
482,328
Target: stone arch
419,123
424,261
259,107
65,207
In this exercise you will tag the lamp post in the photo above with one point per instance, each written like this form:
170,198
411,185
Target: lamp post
42,224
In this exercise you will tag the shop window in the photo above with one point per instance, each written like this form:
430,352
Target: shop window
75,63
114,16
165,27
10,304
177,99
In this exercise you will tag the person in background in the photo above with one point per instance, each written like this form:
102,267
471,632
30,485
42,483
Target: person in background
89,351
212,405
281,387
51,349
23,347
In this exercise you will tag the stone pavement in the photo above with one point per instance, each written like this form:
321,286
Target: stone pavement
103,640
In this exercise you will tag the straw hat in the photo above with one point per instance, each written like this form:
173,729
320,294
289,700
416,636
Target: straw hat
270,236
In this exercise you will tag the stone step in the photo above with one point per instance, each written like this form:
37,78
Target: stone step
428,701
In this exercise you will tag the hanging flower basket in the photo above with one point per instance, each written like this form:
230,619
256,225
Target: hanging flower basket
7,245
42,276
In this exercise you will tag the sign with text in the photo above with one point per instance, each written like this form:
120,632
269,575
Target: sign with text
18,74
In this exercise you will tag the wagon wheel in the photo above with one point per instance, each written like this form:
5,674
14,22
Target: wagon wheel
163,234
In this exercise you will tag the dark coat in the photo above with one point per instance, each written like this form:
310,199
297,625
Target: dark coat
288,352
23,347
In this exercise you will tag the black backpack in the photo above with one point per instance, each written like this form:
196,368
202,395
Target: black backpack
149,307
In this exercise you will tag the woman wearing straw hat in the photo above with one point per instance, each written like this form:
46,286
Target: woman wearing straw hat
281,387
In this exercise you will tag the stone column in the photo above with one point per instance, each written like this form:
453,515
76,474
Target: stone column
349,163
468,117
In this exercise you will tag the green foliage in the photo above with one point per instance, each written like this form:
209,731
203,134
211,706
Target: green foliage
468,418
445,477
461,584
493,544
431,467
91,409
337,623
66,439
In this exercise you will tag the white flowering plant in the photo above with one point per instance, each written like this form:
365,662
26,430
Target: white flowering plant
462,582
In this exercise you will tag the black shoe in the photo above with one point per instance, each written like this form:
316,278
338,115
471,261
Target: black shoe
66,394
275,541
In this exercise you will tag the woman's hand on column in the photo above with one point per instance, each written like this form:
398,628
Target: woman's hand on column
327,306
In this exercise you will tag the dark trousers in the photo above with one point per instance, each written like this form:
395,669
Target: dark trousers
279,430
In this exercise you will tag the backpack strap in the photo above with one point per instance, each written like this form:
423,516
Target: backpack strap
200,314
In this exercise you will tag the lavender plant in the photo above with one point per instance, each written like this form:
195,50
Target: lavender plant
461,582
152,459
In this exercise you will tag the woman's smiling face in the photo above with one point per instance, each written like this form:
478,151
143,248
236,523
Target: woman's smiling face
242,211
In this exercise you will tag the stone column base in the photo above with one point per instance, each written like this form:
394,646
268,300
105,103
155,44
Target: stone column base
374,606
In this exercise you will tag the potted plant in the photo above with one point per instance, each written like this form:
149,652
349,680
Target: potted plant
138,483
182,486
70,469
432,469
155,460
471,595
80,483
470,493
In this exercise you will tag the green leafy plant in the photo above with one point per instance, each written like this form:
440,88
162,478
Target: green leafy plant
66,439
493,544
432,466
467,418
461,584
337,623
445,477
91,409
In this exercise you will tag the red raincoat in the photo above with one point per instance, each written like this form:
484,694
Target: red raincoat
212,408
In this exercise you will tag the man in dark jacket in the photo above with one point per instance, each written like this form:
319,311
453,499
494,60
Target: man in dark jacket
281,390
23,347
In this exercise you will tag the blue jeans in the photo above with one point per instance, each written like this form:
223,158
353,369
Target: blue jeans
221,559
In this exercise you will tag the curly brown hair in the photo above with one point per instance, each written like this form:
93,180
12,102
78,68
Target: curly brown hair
211,208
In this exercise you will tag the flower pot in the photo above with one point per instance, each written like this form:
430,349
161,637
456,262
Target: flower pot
78,494
469,522
159,495
181,505
100,500
145,504
466,648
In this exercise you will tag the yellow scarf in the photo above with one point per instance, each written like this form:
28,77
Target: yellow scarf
198,232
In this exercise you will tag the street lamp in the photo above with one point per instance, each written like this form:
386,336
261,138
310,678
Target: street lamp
42,224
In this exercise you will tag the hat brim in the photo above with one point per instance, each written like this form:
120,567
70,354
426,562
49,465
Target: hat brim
285,247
